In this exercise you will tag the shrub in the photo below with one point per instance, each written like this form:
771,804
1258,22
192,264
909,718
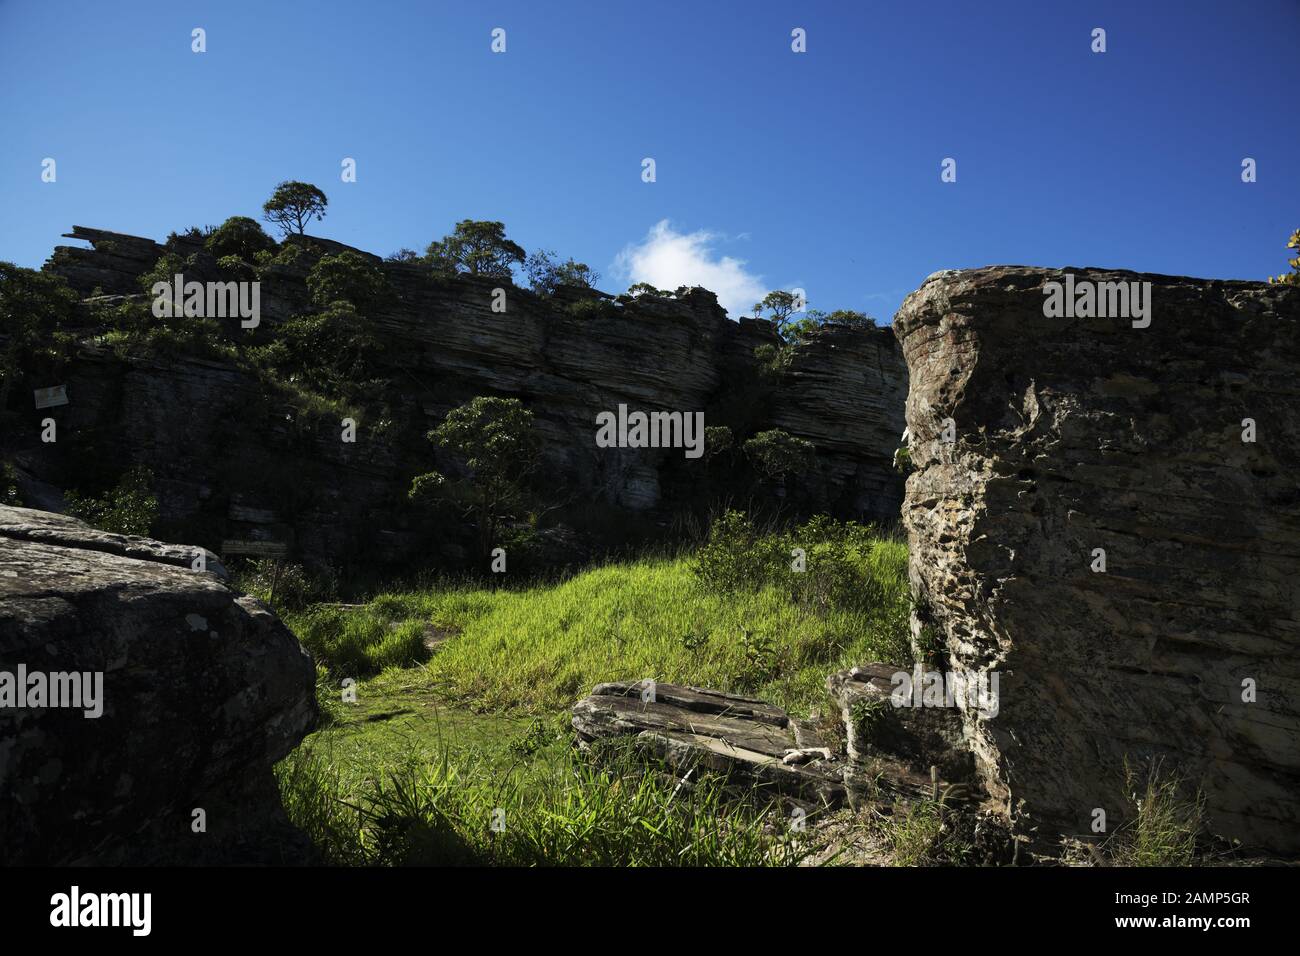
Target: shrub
737,557
285,586
347,277
545,274
9,494
128,508
591,309
35,307
241,237
333,353
777,453
847,566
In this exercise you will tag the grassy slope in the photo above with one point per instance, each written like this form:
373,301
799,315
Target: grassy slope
413,771
540,649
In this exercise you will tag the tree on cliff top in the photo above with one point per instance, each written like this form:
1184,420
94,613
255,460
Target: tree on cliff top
293,205
1292,277
479,248
546,273
782,305
238,236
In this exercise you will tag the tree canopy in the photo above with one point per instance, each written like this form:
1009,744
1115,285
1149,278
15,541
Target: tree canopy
239,236
479,248
293,205
546,273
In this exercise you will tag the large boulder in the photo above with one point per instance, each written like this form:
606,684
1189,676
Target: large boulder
1165,445
186,693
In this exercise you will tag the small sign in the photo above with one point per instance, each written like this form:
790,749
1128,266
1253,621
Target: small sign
268,549
51,397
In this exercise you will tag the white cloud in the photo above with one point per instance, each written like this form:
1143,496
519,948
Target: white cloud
667,259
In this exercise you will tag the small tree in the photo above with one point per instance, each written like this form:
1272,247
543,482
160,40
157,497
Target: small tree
545,274
479,248
637,289
781,304
800,328
130,507
293,205
239,236
1292,277
498,445
347,277
777,453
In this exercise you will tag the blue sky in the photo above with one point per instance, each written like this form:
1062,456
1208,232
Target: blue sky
819,170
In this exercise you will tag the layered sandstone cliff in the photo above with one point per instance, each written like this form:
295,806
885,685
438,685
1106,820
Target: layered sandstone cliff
231,462
1171,451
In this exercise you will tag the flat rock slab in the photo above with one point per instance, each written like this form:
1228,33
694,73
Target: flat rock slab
692,728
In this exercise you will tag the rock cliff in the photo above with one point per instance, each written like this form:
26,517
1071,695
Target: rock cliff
1106,511
231,462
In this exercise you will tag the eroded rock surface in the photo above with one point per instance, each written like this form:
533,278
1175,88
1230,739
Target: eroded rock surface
202,691
1077,434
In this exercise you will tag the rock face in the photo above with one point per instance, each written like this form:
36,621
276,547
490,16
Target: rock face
1078,436
232,461
201,691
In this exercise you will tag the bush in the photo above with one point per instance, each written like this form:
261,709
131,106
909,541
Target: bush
128,508
737,557
333,353
35,310
546,274
9,494
285,586
241,237
846,566
347,277
777,453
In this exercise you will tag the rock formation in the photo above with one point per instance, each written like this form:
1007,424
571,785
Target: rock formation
198,692
1114,527
232,461
895,756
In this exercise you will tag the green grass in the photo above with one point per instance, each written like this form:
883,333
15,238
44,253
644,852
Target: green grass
358,642
438,740
540,649
1164,825
400,778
